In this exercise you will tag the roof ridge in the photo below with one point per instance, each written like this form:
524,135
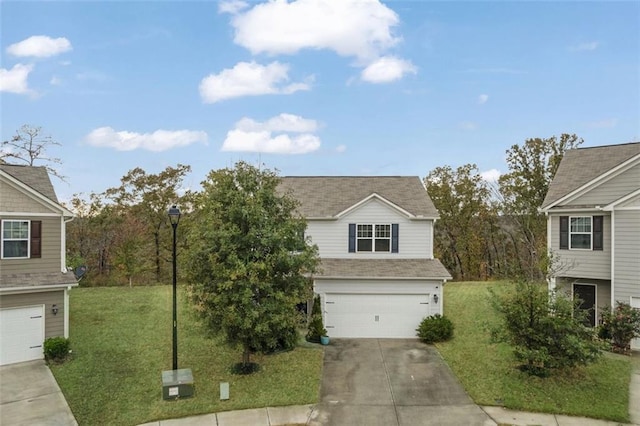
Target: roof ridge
608,146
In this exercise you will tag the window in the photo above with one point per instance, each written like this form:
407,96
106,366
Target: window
379,238
15,239
581,232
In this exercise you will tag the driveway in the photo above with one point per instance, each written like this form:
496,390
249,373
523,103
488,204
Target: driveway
391,382
29,395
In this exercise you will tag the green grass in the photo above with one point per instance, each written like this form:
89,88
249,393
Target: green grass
122,341
489,371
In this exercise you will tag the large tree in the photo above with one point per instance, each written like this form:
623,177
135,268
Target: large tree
248,261
29,147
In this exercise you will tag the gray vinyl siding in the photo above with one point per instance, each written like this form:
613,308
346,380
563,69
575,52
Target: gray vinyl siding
13,200
50,260
331,236
603,291
53,324
627,255
612,190
595,264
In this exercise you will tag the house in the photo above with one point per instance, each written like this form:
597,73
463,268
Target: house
378,276
34,282
593,226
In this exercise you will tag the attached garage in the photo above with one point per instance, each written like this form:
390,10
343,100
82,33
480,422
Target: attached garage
21,334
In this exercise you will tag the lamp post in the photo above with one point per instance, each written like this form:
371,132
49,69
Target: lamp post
174,218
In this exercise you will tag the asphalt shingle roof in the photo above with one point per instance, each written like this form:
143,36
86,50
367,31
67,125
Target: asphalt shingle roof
326,196
33,176
582,165
382,268
43,279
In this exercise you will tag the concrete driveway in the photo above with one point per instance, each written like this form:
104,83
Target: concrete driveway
29,395
391,382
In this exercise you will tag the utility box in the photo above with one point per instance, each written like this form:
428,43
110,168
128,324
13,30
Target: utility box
177,384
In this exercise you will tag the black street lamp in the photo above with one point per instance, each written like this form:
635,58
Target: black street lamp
174,218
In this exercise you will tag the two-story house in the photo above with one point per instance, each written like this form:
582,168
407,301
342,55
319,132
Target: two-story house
34,282
378,276
593,227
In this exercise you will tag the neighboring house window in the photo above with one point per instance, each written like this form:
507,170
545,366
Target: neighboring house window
581,232
21,239
381,238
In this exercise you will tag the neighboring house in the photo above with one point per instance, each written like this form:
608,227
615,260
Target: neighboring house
593,227
377,277
34,282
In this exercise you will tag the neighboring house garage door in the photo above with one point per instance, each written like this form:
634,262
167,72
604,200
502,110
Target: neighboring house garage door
375,315
635,303
21,334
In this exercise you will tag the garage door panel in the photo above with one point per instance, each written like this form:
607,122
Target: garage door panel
21,334
375,315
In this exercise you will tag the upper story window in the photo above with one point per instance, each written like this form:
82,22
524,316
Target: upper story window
377,238
20,239
581,232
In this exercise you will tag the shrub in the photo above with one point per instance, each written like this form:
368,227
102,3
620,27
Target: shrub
545,329
56,349
620,327
434,329
316,326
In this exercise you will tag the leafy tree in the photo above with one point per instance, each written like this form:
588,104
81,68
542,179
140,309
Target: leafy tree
620,326
248,261
28,146
462,199
532,166
545,329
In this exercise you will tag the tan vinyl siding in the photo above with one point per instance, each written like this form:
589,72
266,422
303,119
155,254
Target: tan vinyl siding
595,264
627,255
54,324
331,236
603,291
50,261
612,190
13,200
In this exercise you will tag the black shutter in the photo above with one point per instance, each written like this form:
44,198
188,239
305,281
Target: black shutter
36,238
394,238
352,238
597,233
564,232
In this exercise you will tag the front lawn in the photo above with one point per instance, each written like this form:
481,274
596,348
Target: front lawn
488,371
122,341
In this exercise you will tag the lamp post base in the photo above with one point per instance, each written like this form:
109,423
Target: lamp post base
177,384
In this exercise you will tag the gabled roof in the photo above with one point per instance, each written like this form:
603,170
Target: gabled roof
328,196
382,269
582,166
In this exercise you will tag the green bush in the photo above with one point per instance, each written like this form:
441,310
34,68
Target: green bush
434,329
316,326
620,326
56,349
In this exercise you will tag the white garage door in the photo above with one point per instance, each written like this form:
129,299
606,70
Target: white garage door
635,303
21,334
375,315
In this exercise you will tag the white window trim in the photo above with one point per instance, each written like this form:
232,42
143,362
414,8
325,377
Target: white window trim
2,239
373,237
581,233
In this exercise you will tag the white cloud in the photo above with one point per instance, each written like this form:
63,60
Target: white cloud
40,47
341,148
607,123
387,69
283,134
232,6
587,46
15,79
468,125
55,81
361,29
491,176
482,99
249,79
160,140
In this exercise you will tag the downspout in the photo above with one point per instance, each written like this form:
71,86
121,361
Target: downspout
66,312
551,280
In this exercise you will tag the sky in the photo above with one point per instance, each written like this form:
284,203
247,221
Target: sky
313,87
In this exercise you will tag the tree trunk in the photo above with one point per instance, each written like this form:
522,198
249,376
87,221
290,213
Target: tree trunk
246,356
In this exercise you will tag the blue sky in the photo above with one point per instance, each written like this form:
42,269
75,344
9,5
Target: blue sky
313,87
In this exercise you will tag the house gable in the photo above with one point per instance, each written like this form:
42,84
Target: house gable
28,190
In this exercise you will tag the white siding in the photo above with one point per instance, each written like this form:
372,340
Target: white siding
595,264
613,189
627,255
332,236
